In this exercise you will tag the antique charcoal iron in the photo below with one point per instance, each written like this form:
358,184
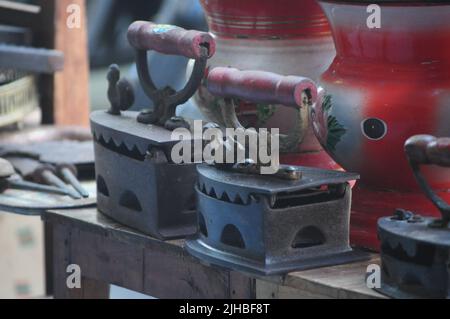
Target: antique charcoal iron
415,250
138,185
295,219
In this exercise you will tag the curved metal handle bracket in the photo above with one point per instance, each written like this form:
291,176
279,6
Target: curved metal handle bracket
167,99
429,150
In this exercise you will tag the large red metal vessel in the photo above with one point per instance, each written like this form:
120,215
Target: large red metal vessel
288,37
385,85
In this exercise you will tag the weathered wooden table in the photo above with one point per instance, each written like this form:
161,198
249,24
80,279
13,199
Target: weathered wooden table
108,253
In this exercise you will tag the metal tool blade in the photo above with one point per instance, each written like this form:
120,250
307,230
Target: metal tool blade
20,184
70,178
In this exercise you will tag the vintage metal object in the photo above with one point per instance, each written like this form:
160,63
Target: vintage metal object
48,145
415,250
9,180
46,174
69,174
68,150
33,170
295,219
23,14
288,37
385,85
35,199
292,92
264,225
137,183
53,145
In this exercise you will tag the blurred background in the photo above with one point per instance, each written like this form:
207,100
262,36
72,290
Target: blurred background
108,21
55,96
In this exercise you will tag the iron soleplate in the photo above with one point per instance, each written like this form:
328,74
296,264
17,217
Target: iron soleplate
199,249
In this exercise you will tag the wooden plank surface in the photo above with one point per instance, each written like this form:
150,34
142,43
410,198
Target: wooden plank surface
108,252
92,288
112,253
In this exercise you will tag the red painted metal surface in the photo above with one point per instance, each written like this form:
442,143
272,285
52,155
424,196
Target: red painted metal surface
288,37
266,18
397,79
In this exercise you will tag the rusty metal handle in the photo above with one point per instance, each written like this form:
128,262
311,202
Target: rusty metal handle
428,150
168,39
261,87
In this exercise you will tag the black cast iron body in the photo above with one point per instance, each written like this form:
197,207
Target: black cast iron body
267,226
415,251
136,184
415,258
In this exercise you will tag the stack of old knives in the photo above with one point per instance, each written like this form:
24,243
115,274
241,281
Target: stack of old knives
45,175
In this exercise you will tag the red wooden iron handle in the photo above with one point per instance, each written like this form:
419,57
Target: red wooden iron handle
428,150
261,87
168,39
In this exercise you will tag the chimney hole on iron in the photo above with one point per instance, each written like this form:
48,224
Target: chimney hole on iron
231,236
129,200
101,186
308,237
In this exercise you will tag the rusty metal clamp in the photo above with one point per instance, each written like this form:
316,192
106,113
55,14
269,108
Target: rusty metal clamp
429,150
259,87
172,40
